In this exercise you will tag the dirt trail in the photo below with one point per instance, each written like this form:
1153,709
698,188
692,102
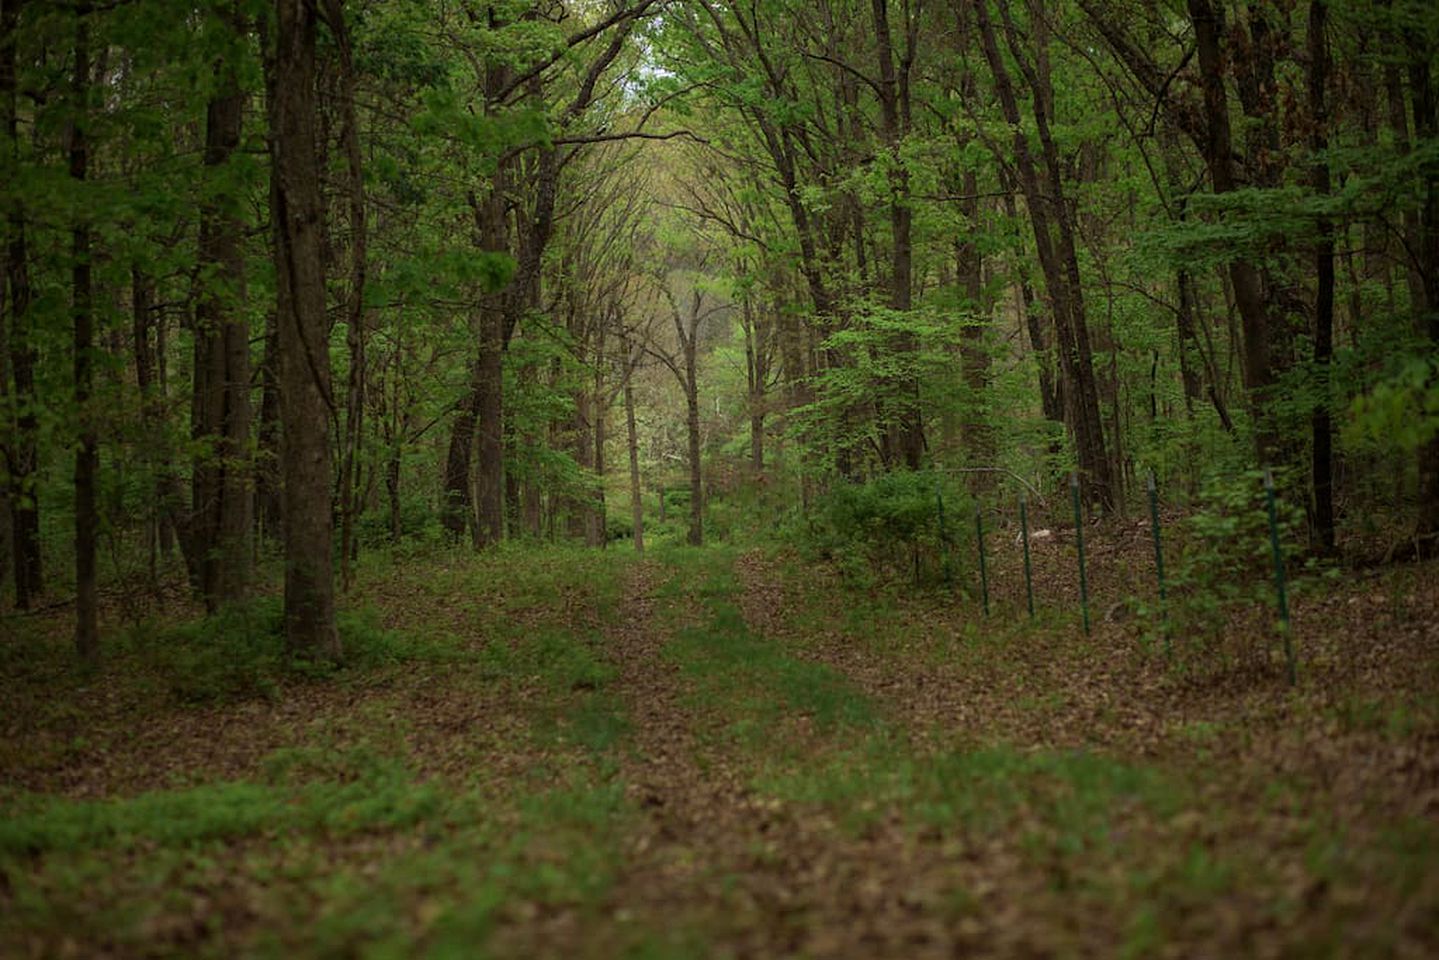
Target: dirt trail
749,876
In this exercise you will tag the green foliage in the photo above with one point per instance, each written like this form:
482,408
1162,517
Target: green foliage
1227,559
889,519
1401,411
1076,794
759,682
373,796
239,653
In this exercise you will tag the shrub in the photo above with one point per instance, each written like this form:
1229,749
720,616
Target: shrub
892,520
1227,560
239,653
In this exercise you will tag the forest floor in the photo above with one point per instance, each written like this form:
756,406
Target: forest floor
729,753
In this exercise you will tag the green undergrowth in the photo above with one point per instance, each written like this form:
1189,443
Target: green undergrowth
510,586
1075,794
748,681
240,653
754,682
369,835
341,856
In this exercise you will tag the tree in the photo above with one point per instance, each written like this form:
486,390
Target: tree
220,518
307,399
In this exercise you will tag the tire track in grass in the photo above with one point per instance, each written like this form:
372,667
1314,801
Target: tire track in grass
721,867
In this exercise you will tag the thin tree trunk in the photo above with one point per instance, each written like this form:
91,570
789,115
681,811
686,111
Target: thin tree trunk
893,90
87,458
220,520
455,510
269,499
1051,394
1323,465
637,507
21,446
975,429
1425,100
350,499
1096,469
142,318
1046,211
755,374
307,401
599,410
692,424
1244,278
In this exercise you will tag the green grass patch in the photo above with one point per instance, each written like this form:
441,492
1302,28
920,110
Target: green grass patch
332,855
240,652
1072,794
750,678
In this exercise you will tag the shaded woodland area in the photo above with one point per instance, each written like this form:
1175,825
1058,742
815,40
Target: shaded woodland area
562,464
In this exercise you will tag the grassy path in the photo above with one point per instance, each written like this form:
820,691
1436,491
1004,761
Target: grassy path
711,753
818,785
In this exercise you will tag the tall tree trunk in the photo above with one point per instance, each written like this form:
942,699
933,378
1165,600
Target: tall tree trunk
87,457
1323,466
490,440
755,374
220,523
637,507
350,493
1047,211
142,307
307,401
1244,278
692,425
598,533
1425,100
20,446
1051,394
893,90
976,432
269,495
455,510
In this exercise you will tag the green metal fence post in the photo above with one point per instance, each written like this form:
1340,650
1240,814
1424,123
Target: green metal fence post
1281,589
983,568
1079,540
1024,538
1159,563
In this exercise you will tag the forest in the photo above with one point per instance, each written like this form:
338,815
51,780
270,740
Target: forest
719,478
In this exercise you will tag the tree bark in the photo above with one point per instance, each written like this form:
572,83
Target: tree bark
893,90
637,507
307,401
220,520
1047,212
350,494
976,432
87,456
21,445
269,495
1244,278
755,374
1425,106
1322,453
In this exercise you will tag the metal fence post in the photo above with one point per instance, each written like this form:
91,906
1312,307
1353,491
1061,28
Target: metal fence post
1024,537
1159,563
1281,589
